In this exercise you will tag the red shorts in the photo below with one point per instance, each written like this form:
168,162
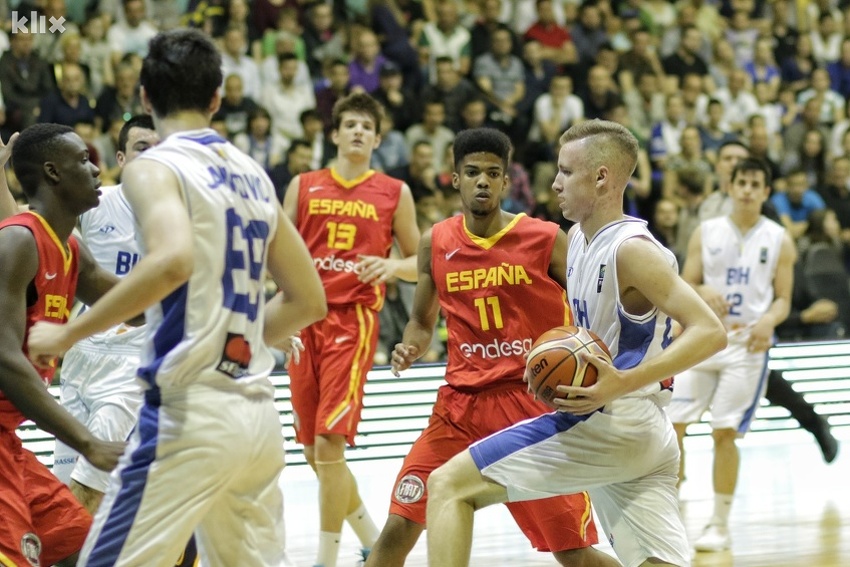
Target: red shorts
327,385
458,420
42,521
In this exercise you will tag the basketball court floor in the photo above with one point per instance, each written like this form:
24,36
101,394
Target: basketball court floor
791,509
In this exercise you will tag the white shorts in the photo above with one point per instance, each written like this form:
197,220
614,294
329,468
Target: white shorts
98,387
730,384
201,460
626,457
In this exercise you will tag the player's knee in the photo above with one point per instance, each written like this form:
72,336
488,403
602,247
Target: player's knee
444,483
329,449
724,436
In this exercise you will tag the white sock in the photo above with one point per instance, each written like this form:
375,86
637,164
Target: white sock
328,549
722,508
362,524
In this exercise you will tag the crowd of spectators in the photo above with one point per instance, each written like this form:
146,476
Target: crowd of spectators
687,77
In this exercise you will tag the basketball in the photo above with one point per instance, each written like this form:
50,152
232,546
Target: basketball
552,361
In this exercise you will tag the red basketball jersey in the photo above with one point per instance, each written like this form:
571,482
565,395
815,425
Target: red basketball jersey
54,284
341,220
497,297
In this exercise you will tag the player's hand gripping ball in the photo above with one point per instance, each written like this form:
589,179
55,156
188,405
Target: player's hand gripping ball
552,361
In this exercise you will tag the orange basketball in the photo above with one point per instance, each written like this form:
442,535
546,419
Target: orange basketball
552,361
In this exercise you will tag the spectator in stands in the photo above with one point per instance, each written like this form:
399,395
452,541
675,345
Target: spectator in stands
314,132
97,55
836,193
664,225
694,99
287,27
71,49
599,97
392,152
121,101
25,79
266,13
839,71
721,65
665,140
398,23
742,35
691,157
831,103
433,129
713,132
588,33
555,112
642,59
645,103
797,70
67,104
286,100
396,98
538,75
270,67
738,102
235,106
796,203
337,85
768,108
234,61
49,45
763,68
452,89
501,77
446,37
556,42
474,115
298,158
488,21
420,174
238,13
826,40
672,36
323,39
690,193
366,63
811,158
686,59
260,141
133,34
783,30
809,119
763,146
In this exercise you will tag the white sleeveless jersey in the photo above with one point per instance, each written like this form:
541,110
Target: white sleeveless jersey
109,232
741,267
594,297
210,330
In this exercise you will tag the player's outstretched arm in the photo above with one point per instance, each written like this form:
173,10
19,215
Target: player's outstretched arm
647,280
303,299
420,327
8,206
155,196
18,379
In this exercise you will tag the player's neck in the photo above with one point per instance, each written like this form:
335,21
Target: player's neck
57,218
487,226
181,121
744,220
590,226
348,169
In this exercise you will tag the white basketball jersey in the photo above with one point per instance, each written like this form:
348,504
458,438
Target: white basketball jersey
741,267
210,330
594,297
109,232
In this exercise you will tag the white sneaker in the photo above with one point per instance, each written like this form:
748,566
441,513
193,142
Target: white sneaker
714,538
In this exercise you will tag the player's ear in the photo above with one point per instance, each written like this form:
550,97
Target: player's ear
51,171
455,180
215,102
146,102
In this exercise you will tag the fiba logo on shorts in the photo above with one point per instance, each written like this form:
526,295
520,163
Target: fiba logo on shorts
410,489
31,548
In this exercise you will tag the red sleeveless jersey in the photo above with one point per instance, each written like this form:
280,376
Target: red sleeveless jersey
497,297
341,220
55,284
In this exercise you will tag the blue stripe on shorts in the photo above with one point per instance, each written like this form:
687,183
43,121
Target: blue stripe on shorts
496,447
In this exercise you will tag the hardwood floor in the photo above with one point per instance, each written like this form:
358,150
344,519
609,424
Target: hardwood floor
791,509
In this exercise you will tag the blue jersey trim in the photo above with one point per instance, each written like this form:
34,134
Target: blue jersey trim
206,139
169,333
134,477
522,435
744,426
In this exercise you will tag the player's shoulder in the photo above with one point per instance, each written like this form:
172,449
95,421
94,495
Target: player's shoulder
382,179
